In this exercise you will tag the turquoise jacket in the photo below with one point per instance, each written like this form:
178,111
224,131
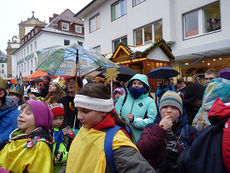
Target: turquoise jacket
143,108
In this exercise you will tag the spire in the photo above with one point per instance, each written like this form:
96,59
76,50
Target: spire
33,14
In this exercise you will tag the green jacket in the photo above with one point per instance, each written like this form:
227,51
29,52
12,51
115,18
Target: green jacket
143,108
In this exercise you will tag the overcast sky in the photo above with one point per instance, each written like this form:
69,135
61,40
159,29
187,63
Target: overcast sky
12,12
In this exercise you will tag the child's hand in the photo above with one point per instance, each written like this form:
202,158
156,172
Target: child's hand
58,158
130,117
166,123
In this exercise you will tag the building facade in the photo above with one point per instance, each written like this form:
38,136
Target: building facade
3,65
197,31
16,41
63,29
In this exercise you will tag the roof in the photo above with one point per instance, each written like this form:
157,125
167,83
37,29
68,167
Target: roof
32,18
88,8
67,16
143,50
2,55
58,31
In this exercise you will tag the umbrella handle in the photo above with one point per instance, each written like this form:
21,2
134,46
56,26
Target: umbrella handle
77,58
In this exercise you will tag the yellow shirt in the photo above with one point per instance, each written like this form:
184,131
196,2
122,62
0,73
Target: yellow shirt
87,154
15,157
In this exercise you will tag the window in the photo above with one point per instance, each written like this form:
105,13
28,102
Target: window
148,33
94,23
65,26
32,33
35,45
136,2
24,53
201,21
118,41
80,43
27,50
97,49
78,29
35,61
31,62
191,24
2,65
2,71
31,48
24,66
66,42
119,9
28,65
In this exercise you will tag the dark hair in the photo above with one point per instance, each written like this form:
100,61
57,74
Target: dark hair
101,91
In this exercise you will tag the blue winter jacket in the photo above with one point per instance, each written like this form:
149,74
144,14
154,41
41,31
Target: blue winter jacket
8,120
143,108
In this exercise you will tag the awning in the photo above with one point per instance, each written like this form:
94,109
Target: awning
35,75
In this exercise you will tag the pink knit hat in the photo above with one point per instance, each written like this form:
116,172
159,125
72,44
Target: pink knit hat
42,115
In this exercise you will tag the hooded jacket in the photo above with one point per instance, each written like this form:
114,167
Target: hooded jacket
219,111
143,108
8,120
87,151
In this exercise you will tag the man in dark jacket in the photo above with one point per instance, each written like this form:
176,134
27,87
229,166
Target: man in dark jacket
163,141
8,114
45,86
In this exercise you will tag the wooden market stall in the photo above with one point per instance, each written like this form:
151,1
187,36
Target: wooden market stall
144,58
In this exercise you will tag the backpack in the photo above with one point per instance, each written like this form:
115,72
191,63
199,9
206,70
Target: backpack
108,147
205,154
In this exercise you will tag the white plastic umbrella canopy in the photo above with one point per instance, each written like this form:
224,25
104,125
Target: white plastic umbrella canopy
61,61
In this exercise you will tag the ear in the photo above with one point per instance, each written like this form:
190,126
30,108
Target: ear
2,93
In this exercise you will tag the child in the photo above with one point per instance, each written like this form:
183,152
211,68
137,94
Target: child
163,141
117,93
29,147
33,93
55,91
97,115
61,137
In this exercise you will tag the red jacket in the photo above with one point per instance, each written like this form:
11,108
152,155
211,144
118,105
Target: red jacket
221,111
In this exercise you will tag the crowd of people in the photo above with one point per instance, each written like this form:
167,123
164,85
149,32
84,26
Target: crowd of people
49,128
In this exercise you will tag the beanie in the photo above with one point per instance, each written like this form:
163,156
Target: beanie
57,109
42,115
171,98
120,90
48,77
193,92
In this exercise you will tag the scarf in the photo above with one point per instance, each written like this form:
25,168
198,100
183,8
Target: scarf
137,92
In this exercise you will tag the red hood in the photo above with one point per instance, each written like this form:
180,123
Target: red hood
219,110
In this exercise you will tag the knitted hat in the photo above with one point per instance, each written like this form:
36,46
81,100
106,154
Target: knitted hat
120,90
193,91
57,109
171,98
42,115
48,77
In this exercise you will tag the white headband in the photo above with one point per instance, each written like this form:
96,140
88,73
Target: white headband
101,105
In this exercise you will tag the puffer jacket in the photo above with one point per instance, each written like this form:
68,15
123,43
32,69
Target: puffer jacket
220,111
143,108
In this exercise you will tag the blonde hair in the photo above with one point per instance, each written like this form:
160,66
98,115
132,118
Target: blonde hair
54,97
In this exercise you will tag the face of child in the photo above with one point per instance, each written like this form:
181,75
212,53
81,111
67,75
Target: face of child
117,95
137,84
14,97
58,121
26,119
52,87
89,118
32,96
171,111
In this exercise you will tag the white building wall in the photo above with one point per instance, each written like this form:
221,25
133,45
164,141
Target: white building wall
3,70
171,12
137,16
202,43
43,40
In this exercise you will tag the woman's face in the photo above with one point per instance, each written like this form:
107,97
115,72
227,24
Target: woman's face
52,88
172,111
90,118
137,84
26,119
